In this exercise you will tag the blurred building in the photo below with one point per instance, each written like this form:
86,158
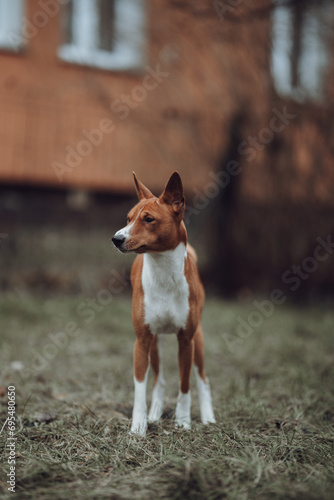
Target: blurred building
92,90
238,98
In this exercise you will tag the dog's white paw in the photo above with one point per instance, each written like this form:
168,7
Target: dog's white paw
139,424
157,401
182,413
207,415
155,411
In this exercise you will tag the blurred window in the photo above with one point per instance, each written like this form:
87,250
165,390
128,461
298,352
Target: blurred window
11,18
300,48
106,34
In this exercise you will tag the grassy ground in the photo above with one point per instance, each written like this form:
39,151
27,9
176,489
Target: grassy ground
272,392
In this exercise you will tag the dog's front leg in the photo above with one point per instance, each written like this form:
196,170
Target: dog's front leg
141,365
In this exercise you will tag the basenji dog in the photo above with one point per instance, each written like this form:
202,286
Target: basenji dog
168,297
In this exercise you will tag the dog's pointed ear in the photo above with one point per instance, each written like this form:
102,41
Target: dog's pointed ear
173,194
142,190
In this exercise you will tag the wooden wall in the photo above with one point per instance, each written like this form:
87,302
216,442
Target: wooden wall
182,124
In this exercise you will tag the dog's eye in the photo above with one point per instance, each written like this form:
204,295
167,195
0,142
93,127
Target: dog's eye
149,219
127,220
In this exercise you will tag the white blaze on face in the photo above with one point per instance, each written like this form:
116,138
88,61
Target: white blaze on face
126,231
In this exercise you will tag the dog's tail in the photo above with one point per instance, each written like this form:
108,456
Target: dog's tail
191,251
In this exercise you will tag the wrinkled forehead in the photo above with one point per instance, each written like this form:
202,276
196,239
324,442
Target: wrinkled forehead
152,206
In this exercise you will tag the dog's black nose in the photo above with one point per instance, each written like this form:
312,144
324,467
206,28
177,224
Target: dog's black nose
118,241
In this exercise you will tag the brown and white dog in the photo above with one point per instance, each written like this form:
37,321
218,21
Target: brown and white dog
168,297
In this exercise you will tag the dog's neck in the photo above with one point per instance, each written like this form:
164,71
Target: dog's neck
166,266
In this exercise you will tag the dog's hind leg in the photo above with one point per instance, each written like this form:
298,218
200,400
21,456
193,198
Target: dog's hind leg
183,405
159,381
207,415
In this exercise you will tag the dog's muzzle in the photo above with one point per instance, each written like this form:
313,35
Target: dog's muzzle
118,241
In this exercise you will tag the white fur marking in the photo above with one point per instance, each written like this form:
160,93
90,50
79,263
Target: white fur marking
182,413
126,231
166,290
204,393
139,415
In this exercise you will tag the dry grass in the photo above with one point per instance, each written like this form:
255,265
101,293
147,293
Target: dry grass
273,397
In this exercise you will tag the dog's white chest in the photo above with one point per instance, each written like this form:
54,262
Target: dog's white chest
166,291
